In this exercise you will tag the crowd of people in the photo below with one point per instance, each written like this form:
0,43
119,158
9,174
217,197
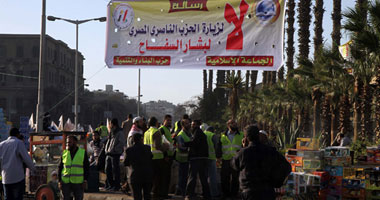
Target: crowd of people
150,149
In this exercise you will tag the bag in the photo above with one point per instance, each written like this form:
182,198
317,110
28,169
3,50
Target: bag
281,170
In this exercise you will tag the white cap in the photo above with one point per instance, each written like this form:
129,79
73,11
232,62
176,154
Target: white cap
136,119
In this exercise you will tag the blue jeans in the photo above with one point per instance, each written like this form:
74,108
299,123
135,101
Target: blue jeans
183,171
212,178
14,191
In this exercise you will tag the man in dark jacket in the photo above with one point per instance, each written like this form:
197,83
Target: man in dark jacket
114,149
198,157
139,159
258,165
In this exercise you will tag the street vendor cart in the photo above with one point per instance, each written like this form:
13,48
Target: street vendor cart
45,150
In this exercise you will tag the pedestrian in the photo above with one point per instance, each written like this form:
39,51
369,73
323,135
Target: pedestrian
212,141
178,125
13,155
96,145
153,138
114,148
103,130
168,155
73,170
261,167
138,123
53,183
127,125
198,162
230,143
138,158
182,154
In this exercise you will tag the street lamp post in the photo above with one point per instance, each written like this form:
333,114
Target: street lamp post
40,98
76,22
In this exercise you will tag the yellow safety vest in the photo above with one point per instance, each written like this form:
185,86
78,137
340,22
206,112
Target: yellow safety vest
148,140
72,171
168,136
211,148
229,148
181,156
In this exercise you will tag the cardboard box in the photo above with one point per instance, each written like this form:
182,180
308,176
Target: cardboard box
337,152
353,173
337,161
295,161
334,170
325,179
307,144
353,183
312,164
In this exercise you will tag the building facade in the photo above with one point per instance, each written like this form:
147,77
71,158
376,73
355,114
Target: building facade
19,62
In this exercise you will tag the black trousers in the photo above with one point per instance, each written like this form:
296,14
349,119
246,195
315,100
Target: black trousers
14,191
159,186
167,175
198,167
113,171
76,189
229,179
141,189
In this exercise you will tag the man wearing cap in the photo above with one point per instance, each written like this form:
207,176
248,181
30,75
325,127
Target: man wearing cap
138,123
73,170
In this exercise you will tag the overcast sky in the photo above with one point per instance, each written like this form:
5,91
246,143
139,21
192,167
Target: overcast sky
177,86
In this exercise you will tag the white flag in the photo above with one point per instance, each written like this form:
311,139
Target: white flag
60,126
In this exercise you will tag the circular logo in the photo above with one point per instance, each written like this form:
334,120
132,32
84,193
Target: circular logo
267,11
123,16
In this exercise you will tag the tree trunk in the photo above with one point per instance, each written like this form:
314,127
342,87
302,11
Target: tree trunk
265,78
304,19
358,88
318,28
247,75
377,104
316,111
334,122
326,121
273,78
204,83
290,37
344,115
253,80
336,18
366,123
280,74
210,80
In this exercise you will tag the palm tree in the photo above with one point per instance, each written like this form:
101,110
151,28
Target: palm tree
290,37
253,80
318,28
365,51
210,80
304,19
204,83
234,85
281,74
336,17
247,75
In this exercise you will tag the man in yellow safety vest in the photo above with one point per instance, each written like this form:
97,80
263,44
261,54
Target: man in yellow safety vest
73,170
168,155
212,141
153,138
229,145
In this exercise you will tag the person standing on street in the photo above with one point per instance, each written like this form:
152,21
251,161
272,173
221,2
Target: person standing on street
198,160
114,148
153,138
230,143
138,123
127,125
73,170
182,154
261,167
138,158
168,155
212,141
13,155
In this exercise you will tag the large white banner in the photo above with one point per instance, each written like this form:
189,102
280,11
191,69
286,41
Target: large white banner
195,34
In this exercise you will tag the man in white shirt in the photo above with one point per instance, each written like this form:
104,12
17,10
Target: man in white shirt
13,155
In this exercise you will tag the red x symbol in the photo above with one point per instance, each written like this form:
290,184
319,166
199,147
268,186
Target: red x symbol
235,38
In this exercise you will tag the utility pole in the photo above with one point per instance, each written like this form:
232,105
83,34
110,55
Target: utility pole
40,100
138,95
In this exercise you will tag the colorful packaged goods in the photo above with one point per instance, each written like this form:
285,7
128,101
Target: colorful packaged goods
349,193
373,155
307,144
337,152
334,170
372,181
353,173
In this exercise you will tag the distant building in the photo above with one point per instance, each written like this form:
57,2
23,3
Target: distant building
19,55
159,109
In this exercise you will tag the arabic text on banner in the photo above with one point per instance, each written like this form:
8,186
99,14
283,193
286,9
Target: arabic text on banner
195,34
